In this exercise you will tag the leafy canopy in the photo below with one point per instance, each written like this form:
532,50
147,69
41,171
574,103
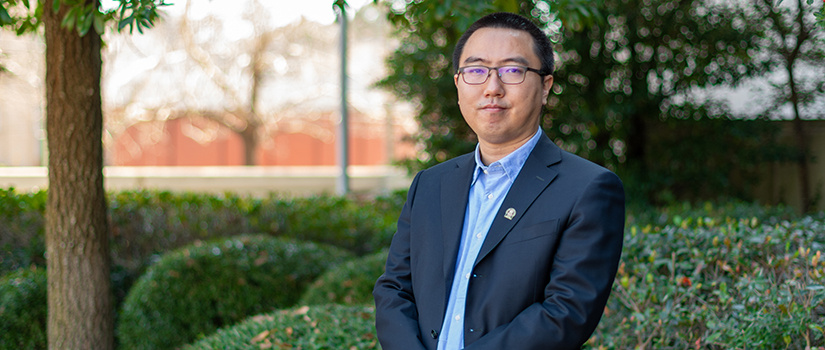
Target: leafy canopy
626,71
24,16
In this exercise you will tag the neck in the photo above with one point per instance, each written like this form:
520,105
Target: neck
493,152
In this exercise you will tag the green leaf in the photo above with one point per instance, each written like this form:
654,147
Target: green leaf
87,24
56,5
99,23
123,23
4,16
69,20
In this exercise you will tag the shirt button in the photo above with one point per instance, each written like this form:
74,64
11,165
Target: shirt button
490,196
478,235
485,171
457,317
467,276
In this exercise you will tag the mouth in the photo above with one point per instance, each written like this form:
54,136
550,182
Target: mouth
493,107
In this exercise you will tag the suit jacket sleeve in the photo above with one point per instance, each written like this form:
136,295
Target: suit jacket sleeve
396,316
581,276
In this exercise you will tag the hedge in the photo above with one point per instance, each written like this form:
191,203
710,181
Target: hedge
197,289
350,283
21,230
718,283
328,327
146,224
23,310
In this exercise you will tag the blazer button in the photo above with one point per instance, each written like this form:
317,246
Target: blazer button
434,334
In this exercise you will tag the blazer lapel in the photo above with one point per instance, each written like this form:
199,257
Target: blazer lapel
533,179
455,189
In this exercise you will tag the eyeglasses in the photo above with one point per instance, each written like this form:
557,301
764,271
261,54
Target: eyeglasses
510,75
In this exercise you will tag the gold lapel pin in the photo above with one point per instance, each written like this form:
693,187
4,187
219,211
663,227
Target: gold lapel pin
510,213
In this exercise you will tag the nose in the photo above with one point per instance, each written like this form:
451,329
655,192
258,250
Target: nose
493,86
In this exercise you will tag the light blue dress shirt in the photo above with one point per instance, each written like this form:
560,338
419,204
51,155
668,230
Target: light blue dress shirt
487,191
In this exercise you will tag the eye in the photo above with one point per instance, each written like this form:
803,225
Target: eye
511,70
475,70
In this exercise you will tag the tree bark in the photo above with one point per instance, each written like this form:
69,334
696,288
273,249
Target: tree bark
77,246
799,132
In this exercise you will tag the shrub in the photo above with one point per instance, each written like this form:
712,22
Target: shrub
308,328
23,310
718,283
22,242
350,283
197,289
361,226
146,224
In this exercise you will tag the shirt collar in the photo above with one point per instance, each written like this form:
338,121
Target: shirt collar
511,163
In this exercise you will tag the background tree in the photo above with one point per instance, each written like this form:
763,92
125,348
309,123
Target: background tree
628,83
77,234
794,51
243,118
631,86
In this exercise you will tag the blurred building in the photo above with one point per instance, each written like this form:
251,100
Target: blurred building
22,93
181,93
161,92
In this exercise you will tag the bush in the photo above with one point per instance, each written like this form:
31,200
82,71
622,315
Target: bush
362,226
308,328
23,310
194,291
350,283
718,283
22,242
146,224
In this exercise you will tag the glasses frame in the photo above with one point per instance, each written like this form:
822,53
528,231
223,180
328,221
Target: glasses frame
461,72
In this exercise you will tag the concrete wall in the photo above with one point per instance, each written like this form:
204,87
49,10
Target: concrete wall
252,181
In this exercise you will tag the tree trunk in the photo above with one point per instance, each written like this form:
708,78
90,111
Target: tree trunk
250,144
802,147
799,131
77,246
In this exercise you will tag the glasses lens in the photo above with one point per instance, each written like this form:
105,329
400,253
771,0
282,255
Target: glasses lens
475,74
512,74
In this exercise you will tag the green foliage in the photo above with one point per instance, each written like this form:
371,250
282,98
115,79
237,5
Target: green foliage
21,229
718,282
198,289
623,86
361,226
625,69
24,16
309,328
721,275
23,310
350,283
689,168
146,224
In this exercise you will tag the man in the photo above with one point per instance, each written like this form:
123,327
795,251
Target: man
511,247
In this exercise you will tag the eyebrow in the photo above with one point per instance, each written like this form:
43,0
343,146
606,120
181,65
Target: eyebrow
517,59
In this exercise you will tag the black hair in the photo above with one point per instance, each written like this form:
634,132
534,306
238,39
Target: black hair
541,44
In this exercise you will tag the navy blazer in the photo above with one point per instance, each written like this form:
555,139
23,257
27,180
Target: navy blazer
542,277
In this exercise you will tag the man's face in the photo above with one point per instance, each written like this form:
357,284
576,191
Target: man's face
502,115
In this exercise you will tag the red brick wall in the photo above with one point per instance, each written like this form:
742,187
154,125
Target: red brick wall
196,141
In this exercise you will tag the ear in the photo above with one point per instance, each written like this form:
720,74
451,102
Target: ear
547,84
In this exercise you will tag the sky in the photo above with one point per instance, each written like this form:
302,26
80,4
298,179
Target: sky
283,11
